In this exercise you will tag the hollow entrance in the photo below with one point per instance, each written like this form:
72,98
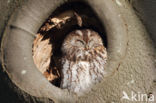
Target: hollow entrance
46,46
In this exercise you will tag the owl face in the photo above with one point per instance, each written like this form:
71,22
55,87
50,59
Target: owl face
86,39
81,43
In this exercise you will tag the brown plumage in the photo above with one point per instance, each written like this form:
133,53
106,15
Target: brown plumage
83,61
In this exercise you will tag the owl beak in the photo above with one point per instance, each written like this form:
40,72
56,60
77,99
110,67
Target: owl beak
87,47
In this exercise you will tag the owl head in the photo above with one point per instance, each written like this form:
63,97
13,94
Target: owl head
81,44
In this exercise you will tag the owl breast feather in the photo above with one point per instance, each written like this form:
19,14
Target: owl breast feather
79,76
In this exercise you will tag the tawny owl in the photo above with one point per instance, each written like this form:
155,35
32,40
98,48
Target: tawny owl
83,62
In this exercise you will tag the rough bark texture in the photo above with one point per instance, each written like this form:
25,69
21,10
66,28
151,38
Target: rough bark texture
136,72
9,93
144,9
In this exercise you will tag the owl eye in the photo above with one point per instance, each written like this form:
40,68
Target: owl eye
80,41
90,42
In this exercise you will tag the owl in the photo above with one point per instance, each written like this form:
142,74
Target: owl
83,61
